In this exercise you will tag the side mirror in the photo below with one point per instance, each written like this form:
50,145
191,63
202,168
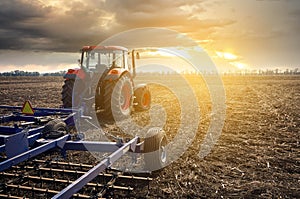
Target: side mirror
137,55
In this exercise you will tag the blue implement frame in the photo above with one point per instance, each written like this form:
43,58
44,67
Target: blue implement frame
17,143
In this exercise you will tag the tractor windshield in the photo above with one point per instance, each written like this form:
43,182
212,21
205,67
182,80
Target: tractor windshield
100,60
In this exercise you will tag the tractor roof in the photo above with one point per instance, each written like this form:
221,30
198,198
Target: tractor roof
109,48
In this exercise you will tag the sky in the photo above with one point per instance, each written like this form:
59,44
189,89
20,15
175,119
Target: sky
42,35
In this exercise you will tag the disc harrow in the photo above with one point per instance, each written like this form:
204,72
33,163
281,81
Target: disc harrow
33,161
41,178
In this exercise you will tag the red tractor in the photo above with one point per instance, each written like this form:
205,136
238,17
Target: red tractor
113,69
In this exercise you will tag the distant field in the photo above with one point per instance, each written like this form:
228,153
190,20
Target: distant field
257,155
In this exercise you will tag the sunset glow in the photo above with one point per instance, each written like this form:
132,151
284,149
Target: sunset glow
231,59
157,53
226,55
239,65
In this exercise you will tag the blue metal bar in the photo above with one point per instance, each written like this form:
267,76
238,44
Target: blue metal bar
4,135
35,130
94,146
2,139
91,146
70,119
6,118
94,172
31,140
2,148
23,118
33,152
63,110
10,107
6,130
47,113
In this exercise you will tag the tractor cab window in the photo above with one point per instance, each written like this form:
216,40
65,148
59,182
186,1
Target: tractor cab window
91,61
118,60
126,63
103,59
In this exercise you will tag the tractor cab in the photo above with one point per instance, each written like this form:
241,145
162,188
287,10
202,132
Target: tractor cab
100,58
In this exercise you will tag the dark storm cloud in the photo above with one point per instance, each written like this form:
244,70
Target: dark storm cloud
146,6
180,15
34,26
14,18
28,25
13,11
167,13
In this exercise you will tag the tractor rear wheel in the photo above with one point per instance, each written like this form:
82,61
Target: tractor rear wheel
67,90
118,98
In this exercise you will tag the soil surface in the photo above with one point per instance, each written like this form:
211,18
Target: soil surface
256,156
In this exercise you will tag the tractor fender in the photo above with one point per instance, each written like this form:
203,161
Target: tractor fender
116,73
73,73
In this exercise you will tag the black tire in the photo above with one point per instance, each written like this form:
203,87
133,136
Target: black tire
142,99
108,89
54,129
67,90
116,105
98,98
155,156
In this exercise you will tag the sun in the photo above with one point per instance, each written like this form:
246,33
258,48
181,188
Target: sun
226,55
232,59
239,65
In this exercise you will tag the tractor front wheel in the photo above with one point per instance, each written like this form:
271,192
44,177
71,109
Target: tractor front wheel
142,101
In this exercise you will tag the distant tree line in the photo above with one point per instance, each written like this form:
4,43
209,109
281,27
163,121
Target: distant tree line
265,72
237,72
20,73
60,73
26,73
